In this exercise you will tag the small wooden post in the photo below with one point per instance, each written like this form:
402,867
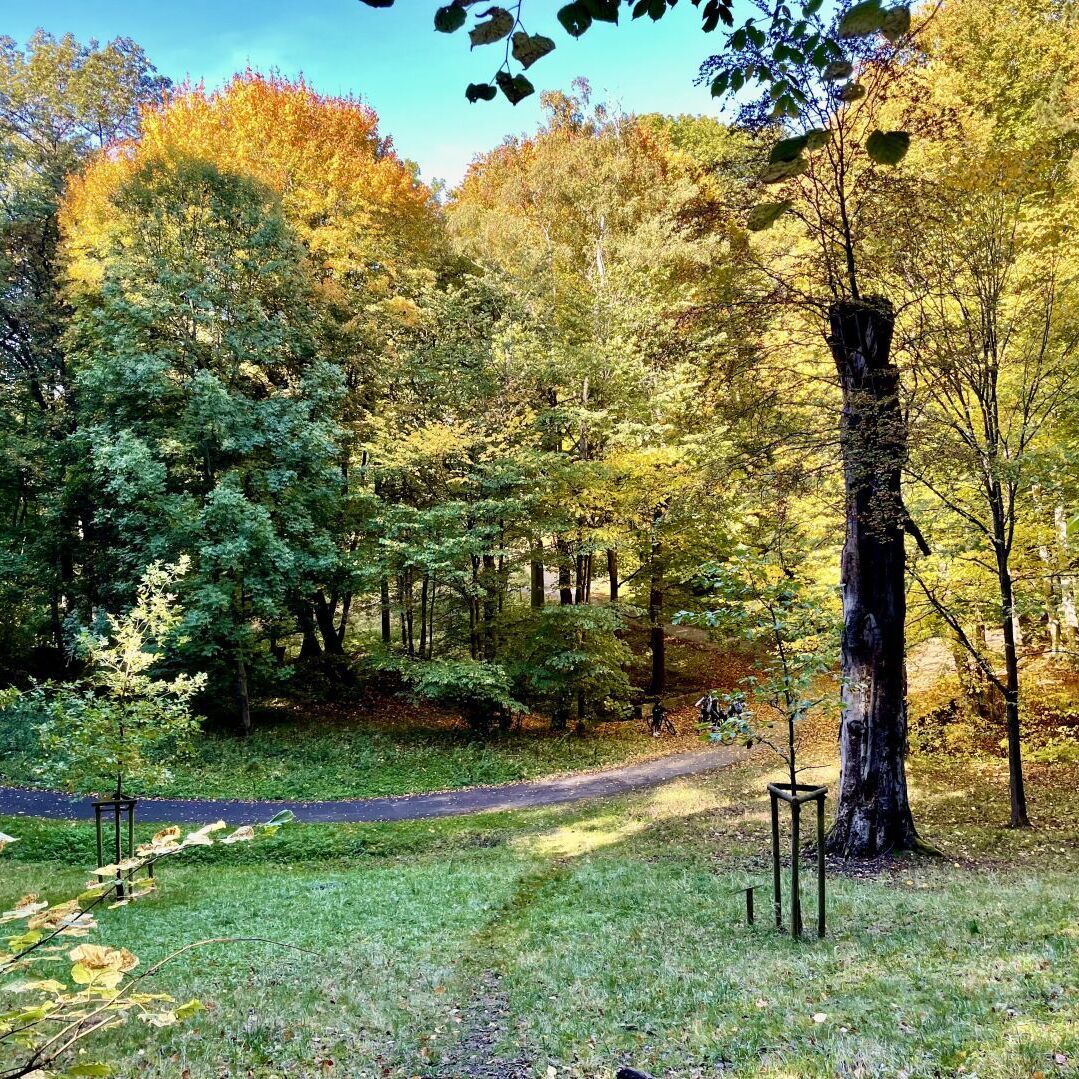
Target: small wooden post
777,884
820,867
749,905
796,896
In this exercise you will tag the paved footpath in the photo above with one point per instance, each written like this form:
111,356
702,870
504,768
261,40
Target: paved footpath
525,795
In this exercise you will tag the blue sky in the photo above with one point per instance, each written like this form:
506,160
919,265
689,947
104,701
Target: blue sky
412,76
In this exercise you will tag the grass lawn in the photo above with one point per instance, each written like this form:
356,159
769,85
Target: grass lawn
582,938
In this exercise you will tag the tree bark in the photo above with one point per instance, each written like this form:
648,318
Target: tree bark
565,581
423,614
612,573
331,642
537,590
384,609
656,636
1016,787
873,814
243,698
310,648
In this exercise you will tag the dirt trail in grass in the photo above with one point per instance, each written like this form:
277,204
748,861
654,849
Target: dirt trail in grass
526,795
488,1044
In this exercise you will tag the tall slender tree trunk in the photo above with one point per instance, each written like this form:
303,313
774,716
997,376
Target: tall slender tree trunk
1016,787
873,813
537,591
243,697
656,636
431,620
489,586
423,614
1069,610
565,581
342,627
384,609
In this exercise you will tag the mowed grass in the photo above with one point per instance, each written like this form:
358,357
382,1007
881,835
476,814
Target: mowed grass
325,752
619,935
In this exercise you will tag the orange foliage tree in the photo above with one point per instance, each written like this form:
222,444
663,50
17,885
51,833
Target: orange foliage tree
371,230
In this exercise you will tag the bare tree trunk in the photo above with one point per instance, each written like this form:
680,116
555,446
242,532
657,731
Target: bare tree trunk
873,812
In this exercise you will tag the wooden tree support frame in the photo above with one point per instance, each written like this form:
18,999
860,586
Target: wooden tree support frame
120,810
797,795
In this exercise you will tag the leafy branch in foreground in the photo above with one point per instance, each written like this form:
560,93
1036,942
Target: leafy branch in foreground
58,1011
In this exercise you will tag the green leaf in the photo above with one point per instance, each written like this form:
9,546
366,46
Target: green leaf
528,48
602,10
783,170
787,149
861,20
852,92
480,91
888,147
449,18
575,18
838,70
499,22
377,3
192,1007
515,87
817,138
766,215
896,23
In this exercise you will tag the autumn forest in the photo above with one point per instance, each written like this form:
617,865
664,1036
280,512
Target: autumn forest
323,480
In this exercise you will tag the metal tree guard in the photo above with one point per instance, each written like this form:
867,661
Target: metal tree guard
796,795
120,808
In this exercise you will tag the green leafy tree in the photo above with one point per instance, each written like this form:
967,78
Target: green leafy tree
208,419
822,85
775,601
60,101
118,720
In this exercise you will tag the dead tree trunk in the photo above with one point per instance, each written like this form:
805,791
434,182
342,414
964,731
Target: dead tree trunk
873,812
